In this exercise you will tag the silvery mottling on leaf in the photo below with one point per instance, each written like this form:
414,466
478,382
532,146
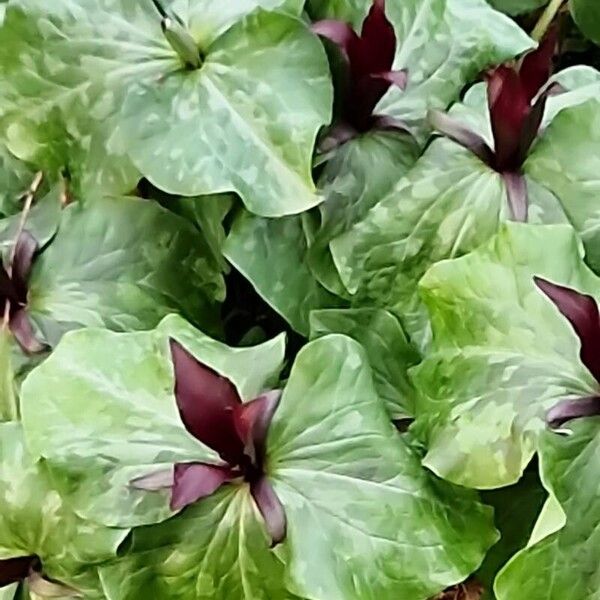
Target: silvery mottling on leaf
213,412
369,58
582,313
14,290
516,102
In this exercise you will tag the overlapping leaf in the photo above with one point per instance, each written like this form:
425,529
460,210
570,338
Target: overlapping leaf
447,205
502,355
107,91
332,456
561,565
469,36
35,520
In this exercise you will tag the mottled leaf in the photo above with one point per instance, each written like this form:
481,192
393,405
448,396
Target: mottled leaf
586,13
131,426
503,355
389,352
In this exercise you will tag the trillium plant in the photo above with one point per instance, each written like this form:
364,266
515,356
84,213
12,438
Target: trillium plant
299,299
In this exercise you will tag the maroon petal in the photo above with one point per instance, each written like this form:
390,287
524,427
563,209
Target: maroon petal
197,480
252,421
21,327
154,482
25,250
339,32
516,194
531,126
536,67
7,288
377,47
509,107
271,509
460,134
397,78
568,410
13,570
581,311
206,401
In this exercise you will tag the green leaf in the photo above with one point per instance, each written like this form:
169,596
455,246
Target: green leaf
447,205
111,265
502,353
15,178
564,162
36,520
444,44
516,509
330,439
130,425
334,455
9,404
389,352
257,135
216,549
517,7
271,254
353,180
80,106
563,564
586,13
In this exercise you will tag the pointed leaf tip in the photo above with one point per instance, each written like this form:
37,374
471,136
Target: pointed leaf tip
206,403
271,509
195,481
569,410
581,311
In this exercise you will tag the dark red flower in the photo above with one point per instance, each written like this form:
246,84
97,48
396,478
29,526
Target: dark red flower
582,313
516,104
13,570
213,412
370,59
14,290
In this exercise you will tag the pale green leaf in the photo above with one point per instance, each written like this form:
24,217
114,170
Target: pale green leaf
111,265
389,352
517,7
36,520
502,353
131,425
333,456
271,254
563,565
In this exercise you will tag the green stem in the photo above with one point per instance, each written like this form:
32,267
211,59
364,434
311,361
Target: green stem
182,42
539,31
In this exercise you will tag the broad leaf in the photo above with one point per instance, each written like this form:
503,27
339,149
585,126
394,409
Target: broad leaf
36,520
216,549
271,254
106,94
111,265
448,204
516,509
131,426
390,353
442,43
330,438
565,162
503,355
586,13
517,7
562,565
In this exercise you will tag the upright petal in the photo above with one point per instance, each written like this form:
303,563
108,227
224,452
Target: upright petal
25,250
377,47
252,422
536,67
206,402
197,480
509,108
271,509
339,32
581,311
